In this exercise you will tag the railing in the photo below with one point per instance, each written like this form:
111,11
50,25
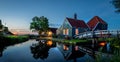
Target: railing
86,50
98,33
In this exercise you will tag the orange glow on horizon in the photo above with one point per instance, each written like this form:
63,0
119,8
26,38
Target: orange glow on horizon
15,33
22,32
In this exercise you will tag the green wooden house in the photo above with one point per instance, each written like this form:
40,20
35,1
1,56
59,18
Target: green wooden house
72,27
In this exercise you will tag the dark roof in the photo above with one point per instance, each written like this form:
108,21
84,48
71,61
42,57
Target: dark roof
93,22
53,30
77,23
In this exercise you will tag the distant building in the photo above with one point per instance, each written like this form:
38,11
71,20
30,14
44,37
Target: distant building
4,30
96,23
53,30
72,26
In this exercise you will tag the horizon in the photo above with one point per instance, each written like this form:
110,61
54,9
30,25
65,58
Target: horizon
16,14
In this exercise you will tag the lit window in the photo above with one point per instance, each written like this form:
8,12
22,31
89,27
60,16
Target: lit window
67,31
63,31
76,31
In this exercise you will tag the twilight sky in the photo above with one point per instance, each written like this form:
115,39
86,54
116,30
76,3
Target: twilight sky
17,14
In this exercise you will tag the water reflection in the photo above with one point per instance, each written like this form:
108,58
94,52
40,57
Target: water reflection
70,52
2,47
40,49
47,49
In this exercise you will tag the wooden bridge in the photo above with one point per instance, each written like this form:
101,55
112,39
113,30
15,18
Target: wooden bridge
99,33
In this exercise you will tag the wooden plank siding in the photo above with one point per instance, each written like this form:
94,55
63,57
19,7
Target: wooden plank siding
101,27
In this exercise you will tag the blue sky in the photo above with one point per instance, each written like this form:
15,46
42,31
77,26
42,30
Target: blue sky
17,14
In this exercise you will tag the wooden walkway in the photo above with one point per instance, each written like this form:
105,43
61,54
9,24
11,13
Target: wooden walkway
99,33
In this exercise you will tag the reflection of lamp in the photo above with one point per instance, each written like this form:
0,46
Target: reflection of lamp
49,43
102,43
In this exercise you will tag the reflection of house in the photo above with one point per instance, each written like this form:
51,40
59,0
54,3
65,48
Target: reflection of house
96,23
72,27
70,52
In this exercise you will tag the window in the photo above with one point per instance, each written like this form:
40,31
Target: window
65,31
76,31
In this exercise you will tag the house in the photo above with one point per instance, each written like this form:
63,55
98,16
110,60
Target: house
72,26
96,23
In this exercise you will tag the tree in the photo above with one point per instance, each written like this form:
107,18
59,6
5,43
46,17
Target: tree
1,26
116,4
39,24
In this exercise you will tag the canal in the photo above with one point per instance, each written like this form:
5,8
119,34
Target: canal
34,51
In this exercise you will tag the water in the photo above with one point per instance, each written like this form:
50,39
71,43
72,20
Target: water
33,51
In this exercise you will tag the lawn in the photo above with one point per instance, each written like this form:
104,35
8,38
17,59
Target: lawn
12,39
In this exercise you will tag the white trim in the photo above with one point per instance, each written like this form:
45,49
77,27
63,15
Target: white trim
95,26
68,23
88,26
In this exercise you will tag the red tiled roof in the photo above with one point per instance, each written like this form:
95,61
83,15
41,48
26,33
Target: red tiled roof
77,23
93,22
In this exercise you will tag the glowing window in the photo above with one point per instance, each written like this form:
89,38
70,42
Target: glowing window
63,31
76,31
67,31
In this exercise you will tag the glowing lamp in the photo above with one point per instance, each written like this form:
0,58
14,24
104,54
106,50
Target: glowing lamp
49,43
49,33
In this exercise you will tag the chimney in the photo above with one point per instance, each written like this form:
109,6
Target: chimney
75,16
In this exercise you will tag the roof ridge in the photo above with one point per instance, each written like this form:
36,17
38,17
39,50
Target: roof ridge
101,20
96,17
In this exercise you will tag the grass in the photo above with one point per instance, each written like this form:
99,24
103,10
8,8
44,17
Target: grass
13,36
114,58
11,39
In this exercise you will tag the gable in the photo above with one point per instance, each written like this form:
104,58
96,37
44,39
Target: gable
66,24
94,21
